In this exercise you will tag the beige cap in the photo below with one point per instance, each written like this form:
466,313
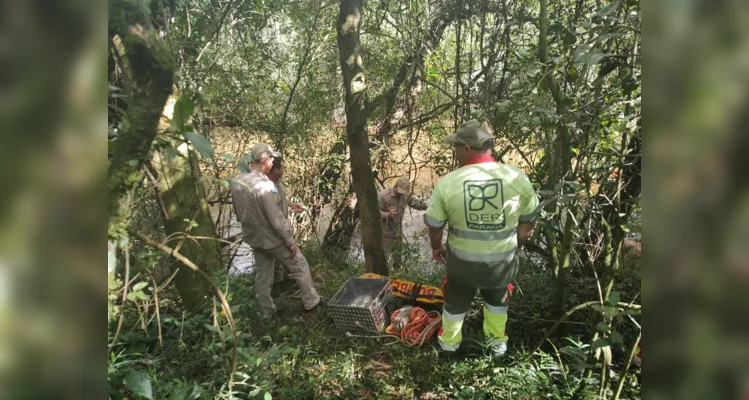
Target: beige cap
402,184
262,150
472,133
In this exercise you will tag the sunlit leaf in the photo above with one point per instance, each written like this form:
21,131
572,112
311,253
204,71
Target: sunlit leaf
138,382
182,111
592,57
602,342
201,144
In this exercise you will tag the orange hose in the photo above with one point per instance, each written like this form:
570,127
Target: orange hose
421,327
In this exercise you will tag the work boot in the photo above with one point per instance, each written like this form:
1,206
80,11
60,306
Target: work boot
499,349
323,301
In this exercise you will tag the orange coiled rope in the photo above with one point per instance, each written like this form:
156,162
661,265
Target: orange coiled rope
420,328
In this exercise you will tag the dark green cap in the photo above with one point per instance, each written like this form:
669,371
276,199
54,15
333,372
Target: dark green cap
472,133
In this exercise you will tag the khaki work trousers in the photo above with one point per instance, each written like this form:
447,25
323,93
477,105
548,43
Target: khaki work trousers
298,269
280,274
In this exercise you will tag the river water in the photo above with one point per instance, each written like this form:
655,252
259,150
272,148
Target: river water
243,261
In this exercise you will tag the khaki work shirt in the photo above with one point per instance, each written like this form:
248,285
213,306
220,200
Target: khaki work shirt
393,227
257,203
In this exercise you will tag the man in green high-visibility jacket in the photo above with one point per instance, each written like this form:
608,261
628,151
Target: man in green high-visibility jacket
490,209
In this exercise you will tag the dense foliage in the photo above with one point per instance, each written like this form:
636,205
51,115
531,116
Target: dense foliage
559,83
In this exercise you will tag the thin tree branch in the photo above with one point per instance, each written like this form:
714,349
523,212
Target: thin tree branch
218,30
569,313
224,303
155,184
158,314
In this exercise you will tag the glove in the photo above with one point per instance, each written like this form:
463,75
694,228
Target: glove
403,318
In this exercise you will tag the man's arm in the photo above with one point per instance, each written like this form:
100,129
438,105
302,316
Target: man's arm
525,231
438,250
383,206
295,207
436,218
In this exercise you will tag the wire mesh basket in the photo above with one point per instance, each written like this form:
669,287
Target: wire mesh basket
362,306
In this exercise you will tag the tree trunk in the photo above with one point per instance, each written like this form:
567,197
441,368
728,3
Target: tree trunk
558,148
349,23
184,199
150,73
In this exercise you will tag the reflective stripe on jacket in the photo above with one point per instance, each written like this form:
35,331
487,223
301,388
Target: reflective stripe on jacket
482,205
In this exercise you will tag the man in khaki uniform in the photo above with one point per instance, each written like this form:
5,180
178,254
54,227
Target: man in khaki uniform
393,202
265,228
275,175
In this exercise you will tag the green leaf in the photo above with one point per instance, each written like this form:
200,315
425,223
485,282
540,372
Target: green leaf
608,312
201,144
139,286
602,327
572,350
138,382
592,57
268,396
142,296
607,9
546,193
636,228
185,393
258,361
227,157
170,153
616,338
182,111
211,328
603,342
567,198
614,297
503,104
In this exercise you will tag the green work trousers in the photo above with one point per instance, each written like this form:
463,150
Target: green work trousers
463,279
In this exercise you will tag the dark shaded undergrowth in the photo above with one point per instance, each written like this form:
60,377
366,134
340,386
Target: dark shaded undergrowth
299,355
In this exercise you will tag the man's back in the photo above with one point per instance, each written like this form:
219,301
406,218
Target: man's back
251,194
482,205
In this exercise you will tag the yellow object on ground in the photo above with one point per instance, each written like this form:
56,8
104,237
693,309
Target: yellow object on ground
404,289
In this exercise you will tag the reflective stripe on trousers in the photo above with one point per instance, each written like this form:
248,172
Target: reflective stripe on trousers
495,319
450,334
